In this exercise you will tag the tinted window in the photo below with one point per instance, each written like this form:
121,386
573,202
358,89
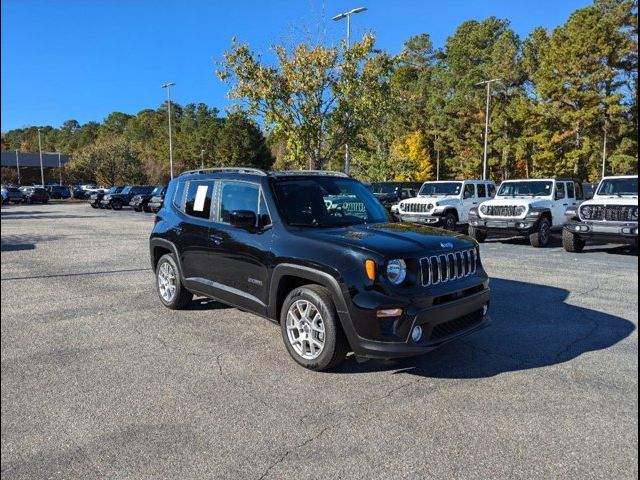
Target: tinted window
263,212
178,197
571,191
532,188
126,190
492,190
560,190
579,192
445,188
237,196
197,201
619,186
469,191
482,190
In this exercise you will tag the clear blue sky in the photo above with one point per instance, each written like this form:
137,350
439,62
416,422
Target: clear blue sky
82,59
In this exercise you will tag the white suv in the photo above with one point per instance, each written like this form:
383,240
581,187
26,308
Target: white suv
532,208
446,203
612,215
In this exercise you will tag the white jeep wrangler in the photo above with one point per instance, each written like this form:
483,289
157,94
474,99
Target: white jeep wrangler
532,208
611,216
445,203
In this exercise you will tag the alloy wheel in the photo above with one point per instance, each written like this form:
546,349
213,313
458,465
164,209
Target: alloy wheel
167,282
305,329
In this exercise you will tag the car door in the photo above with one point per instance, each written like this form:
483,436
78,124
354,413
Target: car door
573,194
192,232
240,256
469,200
560,204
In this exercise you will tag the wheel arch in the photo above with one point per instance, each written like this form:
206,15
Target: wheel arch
160,247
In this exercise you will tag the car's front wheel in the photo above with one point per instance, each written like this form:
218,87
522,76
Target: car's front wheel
540,238
311,329
477,234
450,222
116,204
172,293
571,242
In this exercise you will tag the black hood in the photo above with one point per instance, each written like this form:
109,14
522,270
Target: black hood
396,240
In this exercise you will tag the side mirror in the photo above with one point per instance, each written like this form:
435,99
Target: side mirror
243,219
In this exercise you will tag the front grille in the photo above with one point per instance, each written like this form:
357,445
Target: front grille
448,267
415,207
446,329
501,211
609,213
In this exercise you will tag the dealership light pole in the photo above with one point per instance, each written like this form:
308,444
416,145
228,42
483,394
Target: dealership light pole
347,15
60,168
18,165
168,86
202,158
41,167
486,124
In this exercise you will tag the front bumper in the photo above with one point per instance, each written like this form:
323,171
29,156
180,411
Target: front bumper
424,219
520,226
441,322
612,232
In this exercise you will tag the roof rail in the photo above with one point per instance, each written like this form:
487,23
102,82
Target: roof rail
328,173
247,170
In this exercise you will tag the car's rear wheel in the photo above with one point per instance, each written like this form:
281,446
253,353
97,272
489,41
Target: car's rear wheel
116,204
540,238
479,235
571,242
137,208
172,293
311,329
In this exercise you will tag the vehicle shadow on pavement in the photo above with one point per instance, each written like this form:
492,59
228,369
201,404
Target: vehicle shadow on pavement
532,327
14,243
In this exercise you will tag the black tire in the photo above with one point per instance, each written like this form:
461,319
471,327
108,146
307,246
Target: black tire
479,235
450,222
93,205
45,200
540,238
182,297
117,205
571,242
146,209
137,209
336,345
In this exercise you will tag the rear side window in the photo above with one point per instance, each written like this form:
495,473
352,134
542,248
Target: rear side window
237,196
482,190
560,190
178,197
197,201
571,191
579,191
469,191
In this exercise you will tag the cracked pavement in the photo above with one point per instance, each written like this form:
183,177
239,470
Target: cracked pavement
100,381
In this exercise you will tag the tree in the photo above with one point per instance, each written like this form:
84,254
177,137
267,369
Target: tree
309,100
413,161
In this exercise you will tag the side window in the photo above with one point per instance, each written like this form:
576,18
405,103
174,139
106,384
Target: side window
178,196
469,191
237,196
492,191
197,201
560,190
571,190
264,218
579,191
482,190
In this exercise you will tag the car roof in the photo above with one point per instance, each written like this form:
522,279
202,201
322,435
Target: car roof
619,176
557,179
466,181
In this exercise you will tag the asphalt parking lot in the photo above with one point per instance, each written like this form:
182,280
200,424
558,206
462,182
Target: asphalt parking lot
100,381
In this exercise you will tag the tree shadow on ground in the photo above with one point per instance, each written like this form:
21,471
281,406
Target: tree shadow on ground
532,327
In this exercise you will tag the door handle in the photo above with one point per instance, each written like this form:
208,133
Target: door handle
216,239
565,204
475,203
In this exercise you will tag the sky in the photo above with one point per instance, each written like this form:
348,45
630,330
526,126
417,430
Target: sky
83,59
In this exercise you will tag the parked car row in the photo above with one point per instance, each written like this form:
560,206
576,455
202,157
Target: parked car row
140,197
24,194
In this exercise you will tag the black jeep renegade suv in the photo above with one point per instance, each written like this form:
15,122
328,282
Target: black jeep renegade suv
318,254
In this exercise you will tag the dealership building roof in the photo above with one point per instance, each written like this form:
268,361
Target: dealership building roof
25,159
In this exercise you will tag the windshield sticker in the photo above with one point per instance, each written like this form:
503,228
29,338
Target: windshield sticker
201,195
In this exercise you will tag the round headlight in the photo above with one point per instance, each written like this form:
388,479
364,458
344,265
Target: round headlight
484,209
430,206
520,209
634,214
396,271
586,212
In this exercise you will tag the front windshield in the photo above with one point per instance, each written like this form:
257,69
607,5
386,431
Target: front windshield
113,190
126,190
432,189
327,202
529,189
619,186
157,191
384,188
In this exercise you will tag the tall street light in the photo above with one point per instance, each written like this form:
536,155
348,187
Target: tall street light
41,167
347,15
168,86
486,124
202,158
60,168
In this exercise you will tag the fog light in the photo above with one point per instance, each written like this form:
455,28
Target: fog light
389,312
522,225
485,310
578,228
416,334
